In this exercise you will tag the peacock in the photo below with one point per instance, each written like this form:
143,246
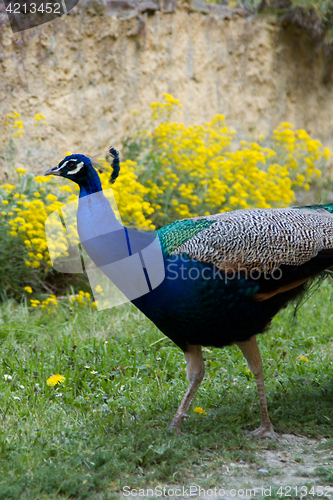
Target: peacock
225,275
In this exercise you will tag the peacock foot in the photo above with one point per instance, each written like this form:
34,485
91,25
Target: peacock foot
265,430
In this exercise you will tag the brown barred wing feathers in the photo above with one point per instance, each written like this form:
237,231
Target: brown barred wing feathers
264,239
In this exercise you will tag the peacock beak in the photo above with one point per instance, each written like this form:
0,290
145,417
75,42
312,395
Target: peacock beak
53,171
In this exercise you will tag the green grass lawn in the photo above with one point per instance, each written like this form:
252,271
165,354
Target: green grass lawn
106,425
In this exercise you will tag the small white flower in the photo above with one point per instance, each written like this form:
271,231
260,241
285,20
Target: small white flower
87,367
21,386
16,397
7,377
93,372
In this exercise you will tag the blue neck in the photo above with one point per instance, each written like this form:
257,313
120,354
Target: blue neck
90,184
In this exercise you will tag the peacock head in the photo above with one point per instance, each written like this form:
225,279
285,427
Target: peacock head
77,168
80,169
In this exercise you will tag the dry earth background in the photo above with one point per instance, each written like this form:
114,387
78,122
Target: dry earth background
289,463
87,71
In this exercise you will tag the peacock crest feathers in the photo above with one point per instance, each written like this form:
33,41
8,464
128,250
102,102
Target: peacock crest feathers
115,165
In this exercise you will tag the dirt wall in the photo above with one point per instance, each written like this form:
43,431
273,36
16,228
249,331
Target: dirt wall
87,71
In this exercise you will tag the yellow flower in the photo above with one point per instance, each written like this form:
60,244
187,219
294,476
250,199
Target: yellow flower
18,124
200,410
51,197
21,170
55,379
28,289
5,202
41,178
34,302
303,358
39,117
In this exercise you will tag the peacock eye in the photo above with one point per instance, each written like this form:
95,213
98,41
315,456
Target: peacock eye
71,164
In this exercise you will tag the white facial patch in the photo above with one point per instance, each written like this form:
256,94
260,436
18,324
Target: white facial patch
76,170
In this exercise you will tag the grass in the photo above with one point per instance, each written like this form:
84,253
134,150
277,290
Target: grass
106,425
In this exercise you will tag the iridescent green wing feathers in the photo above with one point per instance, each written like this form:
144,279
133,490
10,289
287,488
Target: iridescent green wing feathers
177,233
319,208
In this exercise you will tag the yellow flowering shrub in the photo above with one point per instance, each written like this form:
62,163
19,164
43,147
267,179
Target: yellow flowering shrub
129,194
78,301
26,204
26,207
82,299
169,171
50,304
27,201
14,122
201,169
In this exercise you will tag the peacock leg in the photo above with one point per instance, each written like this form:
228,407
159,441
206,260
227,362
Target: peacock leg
195,371
251,353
